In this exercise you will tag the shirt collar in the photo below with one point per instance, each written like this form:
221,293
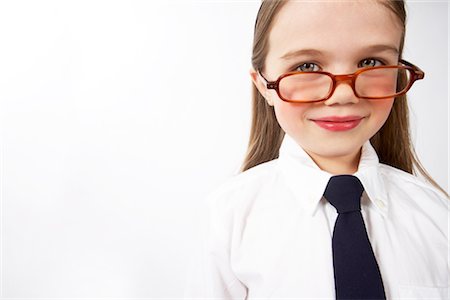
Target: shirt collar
308,181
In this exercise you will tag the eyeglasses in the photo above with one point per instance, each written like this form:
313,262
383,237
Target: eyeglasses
379,82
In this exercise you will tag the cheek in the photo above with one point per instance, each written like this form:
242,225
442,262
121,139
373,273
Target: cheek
385,108
381,111
290,115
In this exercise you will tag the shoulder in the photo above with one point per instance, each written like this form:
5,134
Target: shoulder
241,188
413,188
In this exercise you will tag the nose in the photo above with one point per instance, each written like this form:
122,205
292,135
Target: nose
343,92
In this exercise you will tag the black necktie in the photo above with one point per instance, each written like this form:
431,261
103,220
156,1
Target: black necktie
356,272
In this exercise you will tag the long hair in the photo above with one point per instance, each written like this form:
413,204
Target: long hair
392,142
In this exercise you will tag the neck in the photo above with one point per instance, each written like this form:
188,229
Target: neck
338,165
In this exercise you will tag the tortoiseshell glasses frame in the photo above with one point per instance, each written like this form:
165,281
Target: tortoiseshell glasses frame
415,74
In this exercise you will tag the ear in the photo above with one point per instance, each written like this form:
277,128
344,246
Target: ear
260,85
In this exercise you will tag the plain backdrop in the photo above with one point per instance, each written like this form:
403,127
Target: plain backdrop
117,118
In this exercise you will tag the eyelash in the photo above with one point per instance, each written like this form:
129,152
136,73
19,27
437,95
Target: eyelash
382,61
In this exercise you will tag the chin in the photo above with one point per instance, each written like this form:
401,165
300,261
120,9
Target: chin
335,150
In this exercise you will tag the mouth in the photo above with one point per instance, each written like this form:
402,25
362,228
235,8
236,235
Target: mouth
338,123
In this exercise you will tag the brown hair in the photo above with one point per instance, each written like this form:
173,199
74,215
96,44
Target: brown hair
392,142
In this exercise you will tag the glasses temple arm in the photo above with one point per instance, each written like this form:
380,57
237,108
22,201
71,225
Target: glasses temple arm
417,71
269,84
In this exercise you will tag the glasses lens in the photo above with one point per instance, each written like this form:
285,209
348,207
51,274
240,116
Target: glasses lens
382,82
305,87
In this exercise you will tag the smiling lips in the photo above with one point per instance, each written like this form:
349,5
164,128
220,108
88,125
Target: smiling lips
335,123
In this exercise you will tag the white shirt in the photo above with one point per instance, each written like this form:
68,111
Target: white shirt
270,230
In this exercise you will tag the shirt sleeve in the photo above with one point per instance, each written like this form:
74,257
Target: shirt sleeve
210,274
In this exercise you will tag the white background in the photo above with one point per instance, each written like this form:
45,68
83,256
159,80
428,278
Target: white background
118,117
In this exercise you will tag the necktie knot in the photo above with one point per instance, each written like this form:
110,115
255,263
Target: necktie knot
344,193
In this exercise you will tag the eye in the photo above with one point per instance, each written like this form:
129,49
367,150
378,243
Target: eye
307,67
370,62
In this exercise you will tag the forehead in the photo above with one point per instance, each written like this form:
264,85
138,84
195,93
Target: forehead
340,27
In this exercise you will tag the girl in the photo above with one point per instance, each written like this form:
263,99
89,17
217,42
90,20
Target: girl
273,230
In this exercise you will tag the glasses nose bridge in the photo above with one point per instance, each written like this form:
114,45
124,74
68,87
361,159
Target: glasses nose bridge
349,78
344,78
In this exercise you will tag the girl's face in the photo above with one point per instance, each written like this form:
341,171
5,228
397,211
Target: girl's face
337,37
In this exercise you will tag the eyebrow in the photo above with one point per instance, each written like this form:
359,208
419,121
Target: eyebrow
374,48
